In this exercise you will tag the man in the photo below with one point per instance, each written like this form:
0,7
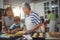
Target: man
32,19
52,20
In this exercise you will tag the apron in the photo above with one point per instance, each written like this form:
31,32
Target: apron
29,25
52,26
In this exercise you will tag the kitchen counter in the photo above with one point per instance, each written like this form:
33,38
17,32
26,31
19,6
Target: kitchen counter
27,36
48,37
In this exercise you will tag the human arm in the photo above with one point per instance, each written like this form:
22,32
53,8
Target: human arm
49,17
18,28
33,29
35,19
3,24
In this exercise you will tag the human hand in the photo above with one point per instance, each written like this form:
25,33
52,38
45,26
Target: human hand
3,29
9,31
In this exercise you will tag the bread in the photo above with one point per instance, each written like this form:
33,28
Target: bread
53,34
40,34
34,35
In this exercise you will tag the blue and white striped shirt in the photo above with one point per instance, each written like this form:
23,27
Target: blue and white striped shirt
35,19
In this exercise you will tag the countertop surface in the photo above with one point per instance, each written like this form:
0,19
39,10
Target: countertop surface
49,37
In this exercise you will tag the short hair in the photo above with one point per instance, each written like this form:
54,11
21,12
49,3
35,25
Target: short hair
49,12
17,18
26,5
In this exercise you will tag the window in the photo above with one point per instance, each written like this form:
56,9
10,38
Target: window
46,9
18,12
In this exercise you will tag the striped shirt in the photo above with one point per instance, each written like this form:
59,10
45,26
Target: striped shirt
14,26
35,19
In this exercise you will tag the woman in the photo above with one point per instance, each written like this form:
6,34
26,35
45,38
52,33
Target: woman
7,20
32,19
52,19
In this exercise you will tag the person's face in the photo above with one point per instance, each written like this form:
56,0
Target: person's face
17,21
26,11
9,14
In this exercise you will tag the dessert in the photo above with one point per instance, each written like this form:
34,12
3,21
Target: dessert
40,34
34,35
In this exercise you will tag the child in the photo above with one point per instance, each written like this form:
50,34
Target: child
42,29
44,24
17,26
